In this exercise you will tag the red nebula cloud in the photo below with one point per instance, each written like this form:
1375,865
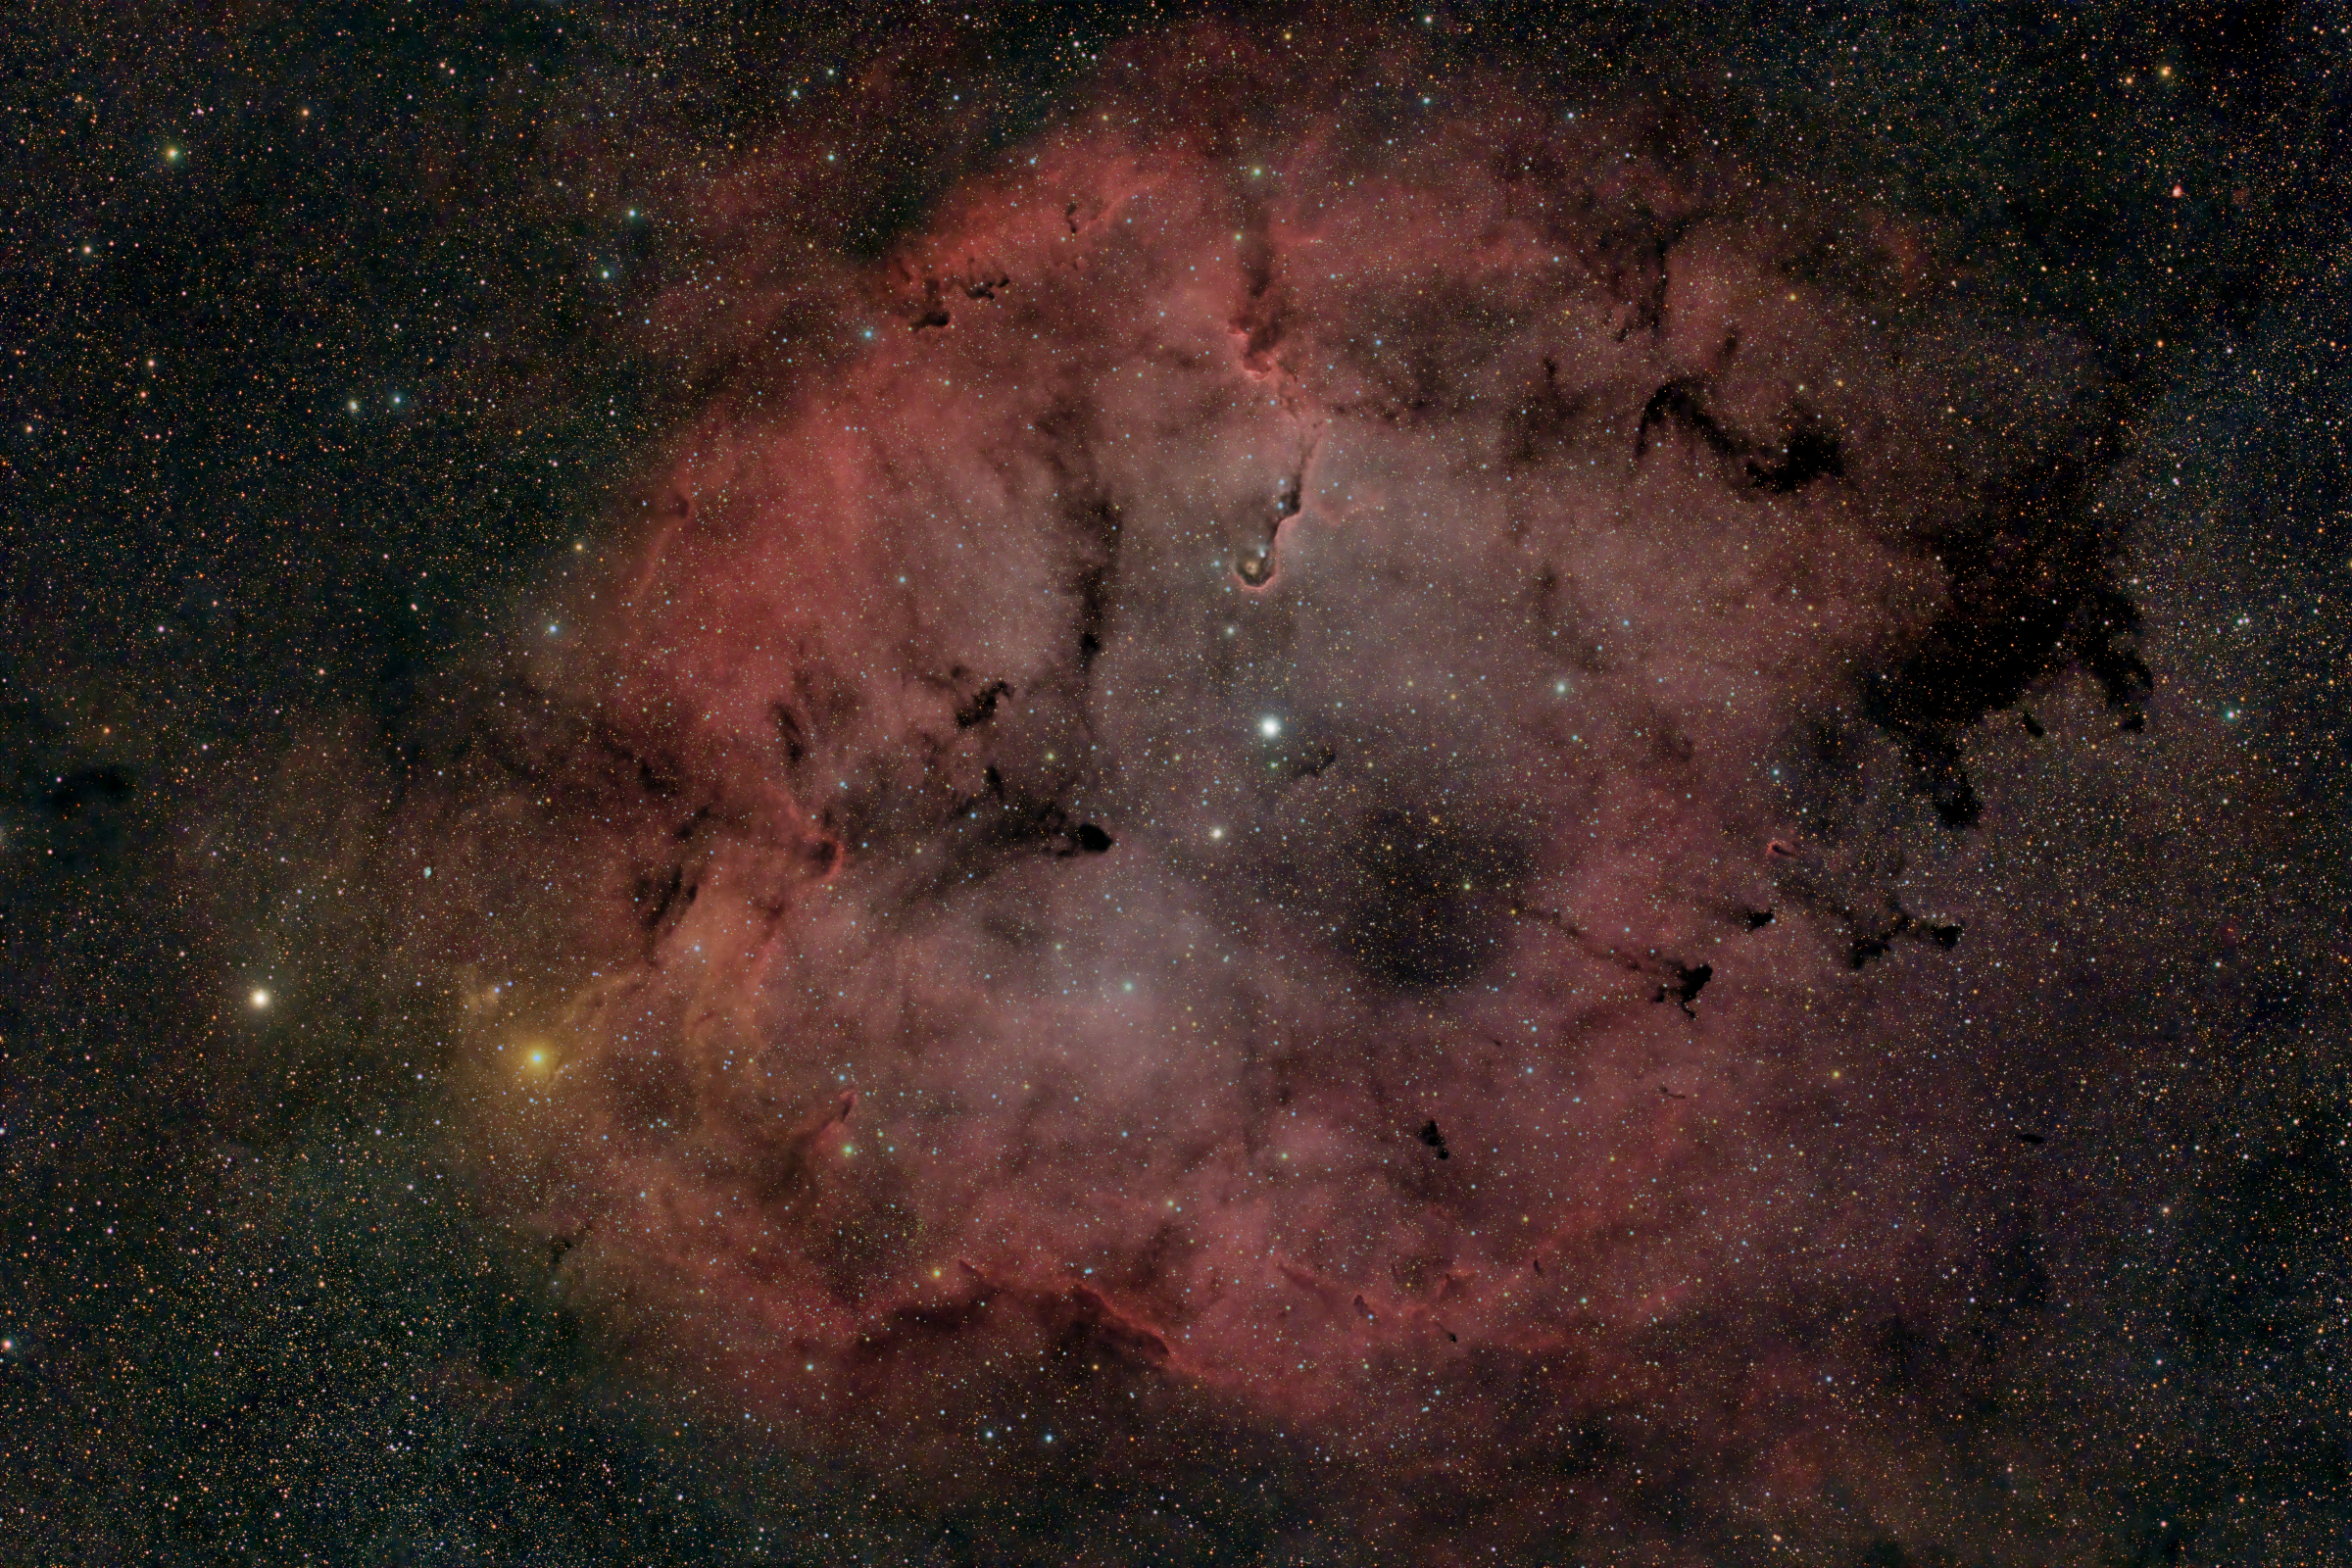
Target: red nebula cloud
1163,838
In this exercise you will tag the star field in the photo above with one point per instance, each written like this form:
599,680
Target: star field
1034,784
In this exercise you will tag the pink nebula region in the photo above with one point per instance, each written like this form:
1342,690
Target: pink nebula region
1297,802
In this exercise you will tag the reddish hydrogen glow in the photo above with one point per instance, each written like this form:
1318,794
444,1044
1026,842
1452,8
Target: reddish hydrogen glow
1262,815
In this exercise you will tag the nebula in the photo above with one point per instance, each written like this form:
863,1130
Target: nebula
1307,804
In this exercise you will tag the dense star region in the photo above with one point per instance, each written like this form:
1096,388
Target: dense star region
1335,804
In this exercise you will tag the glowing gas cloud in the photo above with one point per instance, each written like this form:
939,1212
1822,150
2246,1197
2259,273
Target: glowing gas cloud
1297,802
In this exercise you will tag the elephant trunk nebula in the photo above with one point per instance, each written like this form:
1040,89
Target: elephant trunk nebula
1296,804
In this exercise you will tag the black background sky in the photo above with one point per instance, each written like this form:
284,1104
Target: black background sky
322,331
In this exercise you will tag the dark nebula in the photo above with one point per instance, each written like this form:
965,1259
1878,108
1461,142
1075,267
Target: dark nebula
1298,830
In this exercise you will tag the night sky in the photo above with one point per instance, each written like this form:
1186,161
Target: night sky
1041,785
